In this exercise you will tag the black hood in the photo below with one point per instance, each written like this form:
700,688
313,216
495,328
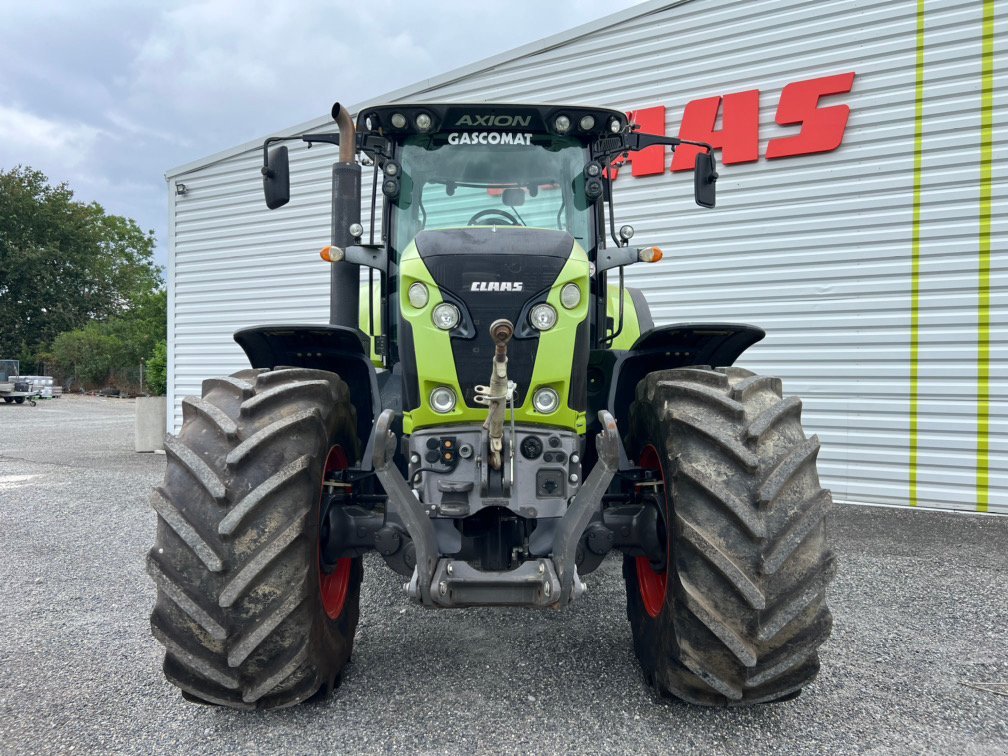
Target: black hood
506,240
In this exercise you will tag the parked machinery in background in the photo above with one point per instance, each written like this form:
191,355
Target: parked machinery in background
15,388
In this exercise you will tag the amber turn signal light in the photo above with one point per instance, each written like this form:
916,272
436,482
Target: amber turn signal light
649,254
332,254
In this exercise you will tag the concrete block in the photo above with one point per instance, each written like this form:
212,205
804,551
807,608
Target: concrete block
150,423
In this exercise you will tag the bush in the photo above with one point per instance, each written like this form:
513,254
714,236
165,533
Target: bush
108,353
88,354
157,369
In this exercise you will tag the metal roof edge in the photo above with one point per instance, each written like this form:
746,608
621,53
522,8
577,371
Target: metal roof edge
417,88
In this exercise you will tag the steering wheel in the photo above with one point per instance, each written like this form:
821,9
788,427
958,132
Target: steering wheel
502,215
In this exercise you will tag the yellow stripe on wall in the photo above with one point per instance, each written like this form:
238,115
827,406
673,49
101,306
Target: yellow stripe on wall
983,283
915,252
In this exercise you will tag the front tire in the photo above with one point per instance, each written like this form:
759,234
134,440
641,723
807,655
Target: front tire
241,607
736,613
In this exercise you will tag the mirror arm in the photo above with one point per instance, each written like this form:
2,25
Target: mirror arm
635,141
327,138
708,148
266,145
310,139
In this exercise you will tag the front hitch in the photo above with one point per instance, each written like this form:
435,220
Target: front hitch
496,394
447,582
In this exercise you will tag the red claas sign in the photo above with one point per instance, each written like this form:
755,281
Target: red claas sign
822,128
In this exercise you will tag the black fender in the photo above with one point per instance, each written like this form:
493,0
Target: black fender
613,375
338,349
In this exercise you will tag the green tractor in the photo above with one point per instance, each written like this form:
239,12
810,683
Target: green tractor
493,412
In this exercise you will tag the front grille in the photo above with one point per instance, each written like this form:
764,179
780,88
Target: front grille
457,259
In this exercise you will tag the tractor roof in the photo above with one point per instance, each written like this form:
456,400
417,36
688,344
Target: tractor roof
396,122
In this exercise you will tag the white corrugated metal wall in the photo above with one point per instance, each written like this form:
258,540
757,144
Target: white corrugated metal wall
817,249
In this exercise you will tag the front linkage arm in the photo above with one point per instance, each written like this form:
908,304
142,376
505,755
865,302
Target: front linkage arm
587,503
405,505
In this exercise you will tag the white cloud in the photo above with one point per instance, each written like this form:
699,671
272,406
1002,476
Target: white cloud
55,141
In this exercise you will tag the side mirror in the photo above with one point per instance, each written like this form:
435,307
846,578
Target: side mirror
704,178
276,178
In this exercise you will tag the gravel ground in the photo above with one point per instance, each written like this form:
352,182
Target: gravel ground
920,606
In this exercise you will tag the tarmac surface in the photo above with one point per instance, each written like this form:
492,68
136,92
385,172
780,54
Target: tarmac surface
920,604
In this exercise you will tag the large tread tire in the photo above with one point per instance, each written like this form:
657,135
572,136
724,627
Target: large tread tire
744,608
239,609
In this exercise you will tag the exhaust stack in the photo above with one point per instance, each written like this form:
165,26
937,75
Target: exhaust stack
344,284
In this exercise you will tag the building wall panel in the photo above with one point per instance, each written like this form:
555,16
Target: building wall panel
817,249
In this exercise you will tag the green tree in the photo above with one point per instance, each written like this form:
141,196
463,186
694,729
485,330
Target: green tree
64,264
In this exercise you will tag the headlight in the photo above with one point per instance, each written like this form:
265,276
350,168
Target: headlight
446,316
546,400
570,296
543,316
442,399
418,296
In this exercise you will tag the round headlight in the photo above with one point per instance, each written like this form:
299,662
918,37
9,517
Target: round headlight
545,400
562,124
398,120
418,296
543,316
570,296
442,399
356,229
391,169
587,123
614,125
423,121
446,316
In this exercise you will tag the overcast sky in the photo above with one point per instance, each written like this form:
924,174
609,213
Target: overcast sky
108,95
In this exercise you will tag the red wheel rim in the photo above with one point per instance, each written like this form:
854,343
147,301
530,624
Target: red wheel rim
334,585
653,584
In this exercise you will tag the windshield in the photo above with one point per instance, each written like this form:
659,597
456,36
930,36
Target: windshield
453,180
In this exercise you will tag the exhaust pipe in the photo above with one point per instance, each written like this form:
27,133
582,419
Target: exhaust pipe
348,134
344,283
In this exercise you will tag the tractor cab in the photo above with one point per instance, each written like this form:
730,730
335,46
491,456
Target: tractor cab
463,166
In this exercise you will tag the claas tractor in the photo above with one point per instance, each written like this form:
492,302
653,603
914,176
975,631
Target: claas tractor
492,412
